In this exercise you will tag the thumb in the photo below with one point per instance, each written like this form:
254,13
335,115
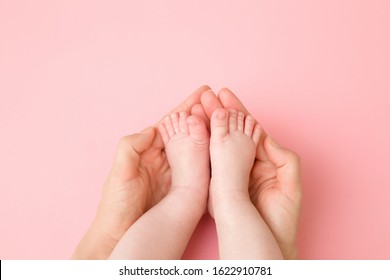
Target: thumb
142,141
287,164
128,153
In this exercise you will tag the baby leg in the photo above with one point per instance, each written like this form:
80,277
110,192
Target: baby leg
242,233
164,231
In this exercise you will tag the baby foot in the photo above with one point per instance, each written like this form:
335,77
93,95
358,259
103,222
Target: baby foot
186,140
233,142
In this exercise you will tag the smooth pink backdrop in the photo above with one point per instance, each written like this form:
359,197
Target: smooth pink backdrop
75,76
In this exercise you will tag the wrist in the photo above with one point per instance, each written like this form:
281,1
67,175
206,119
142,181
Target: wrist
290,253
96,244
229,197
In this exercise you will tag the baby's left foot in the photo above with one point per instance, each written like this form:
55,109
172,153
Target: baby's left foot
234,138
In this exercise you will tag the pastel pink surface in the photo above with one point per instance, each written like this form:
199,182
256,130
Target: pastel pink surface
75,76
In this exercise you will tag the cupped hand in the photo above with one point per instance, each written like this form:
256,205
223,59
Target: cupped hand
275,185
275,189
139,179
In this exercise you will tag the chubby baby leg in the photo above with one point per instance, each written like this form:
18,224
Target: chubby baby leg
164,231
242,233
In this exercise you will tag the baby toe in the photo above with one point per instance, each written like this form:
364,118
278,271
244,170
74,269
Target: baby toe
197,129
219,123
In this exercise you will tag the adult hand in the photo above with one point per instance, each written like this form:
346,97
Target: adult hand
275,185
139,179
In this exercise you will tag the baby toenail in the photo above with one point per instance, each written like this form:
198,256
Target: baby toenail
192,122
221,115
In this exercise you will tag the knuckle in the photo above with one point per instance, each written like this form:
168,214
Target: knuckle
294,157
124,143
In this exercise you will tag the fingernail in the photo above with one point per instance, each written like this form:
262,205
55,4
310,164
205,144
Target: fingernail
207,93
273,142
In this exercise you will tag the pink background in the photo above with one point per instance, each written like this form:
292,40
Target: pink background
75,76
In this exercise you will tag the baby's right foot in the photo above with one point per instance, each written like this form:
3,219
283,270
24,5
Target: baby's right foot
233,142
186,140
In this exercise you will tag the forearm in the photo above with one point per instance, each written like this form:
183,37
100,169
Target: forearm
164,231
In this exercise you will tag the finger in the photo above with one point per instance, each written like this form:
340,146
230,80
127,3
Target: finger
229,100
187,104
158,142
210,103
141,142
128,153
287,164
